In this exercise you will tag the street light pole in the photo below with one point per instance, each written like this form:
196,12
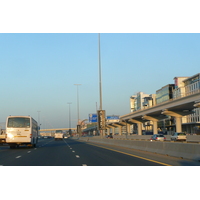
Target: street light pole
78,103
100,83
69,119
39,118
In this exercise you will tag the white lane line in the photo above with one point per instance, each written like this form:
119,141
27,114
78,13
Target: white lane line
73,151
29,152
18,157
77,156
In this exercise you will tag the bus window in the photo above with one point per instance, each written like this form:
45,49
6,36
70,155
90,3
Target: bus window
18,122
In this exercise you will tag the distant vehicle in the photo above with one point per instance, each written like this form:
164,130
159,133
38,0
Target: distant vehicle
59,135
46,137
2,136
109,136
158,137
179,136
21,130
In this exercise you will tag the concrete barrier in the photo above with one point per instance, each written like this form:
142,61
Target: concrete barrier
177,149
190,138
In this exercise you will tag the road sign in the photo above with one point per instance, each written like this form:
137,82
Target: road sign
92,118
113,118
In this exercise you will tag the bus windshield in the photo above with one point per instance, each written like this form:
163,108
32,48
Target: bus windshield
18,122
58,131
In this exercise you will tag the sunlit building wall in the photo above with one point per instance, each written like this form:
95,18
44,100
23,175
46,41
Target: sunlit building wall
179,90
165,93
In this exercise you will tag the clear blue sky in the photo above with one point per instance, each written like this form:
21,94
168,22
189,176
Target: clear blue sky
38,71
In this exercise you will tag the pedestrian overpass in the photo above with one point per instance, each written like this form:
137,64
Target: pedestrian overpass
54,129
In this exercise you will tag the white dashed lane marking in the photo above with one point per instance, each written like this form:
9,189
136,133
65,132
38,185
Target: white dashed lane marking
18,157
77,156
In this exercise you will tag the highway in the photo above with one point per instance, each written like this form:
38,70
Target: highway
74,152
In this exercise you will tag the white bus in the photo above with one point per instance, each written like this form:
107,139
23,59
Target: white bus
58,135
21,130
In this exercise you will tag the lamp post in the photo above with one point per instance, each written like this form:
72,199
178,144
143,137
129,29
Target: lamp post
100,112
79,127
39,118
77,103
69,118
100,84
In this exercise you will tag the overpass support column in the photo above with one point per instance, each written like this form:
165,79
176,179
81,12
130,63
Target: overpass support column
178,116
108,131
139,125
155,127
155,123
178,124
120,130
113,130
128,129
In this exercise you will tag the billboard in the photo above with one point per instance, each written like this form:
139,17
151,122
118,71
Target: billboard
101,119
92,118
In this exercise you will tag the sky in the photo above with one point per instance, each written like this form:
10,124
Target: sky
39,70
46,48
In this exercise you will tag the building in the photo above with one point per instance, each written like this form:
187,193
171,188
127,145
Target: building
192,121
192,84
149,101
165,93
179,90
140,101
183,86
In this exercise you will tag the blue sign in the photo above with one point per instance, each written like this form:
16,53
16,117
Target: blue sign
92,118
113,117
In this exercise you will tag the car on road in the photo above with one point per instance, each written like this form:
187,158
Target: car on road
109,136
46,137
179,136
158,137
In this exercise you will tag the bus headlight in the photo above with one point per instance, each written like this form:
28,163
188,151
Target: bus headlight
10,136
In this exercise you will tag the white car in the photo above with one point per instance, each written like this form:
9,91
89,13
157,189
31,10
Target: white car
178,136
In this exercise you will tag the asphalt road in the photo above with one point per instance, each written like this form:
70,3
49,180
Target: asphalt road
74,152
